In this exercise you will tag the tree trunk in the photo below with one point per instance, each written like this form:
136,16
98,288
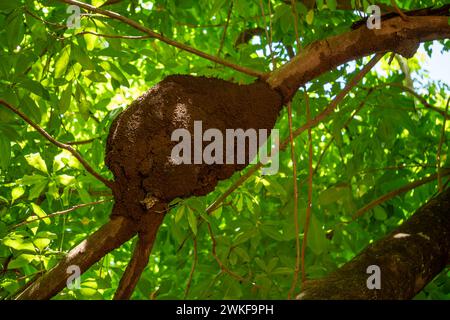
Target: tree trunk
408,258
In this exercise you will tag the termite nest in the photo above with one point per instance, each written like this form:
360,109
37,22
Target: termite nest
139,146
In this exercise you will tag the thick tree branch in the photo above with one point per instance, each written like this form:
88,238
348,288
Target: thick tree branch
109,237
395,35
408,258
57,143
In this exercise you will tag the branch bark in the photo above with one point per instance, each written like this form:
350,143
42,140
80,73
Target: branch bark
141,254
397,35
409,257
109,237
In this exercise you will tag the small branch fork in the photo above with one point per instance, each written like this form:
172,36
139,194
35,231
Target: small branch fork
59,144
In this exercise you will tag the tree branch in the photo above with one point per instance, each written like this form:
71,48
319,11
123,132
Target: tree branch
139,260
408,258
160,37
324,55
109,237
61,145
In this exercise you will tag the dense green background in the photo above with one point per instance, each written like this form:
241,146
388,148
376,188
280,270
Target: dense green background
74,86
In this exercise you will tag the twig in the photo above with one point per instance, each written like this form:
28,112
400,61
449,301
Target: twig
416,95
438,156
309,204
80,142
400,12
296,223
269,38
114,36
294,13
191,274
396,192
220,263
58,213
225,28
361,105
339,97
160,37
61,145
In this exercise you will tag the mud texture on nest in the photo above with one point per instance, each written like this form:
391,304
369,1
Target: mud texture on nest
139,145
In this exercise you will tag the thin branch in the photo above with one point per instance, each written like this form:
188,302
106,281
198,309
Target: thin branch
220,263
339,97
80,142
61,145
225,28
296,223
295,16
361,105
160,37
309,204
397,9
269,38
438,156
194,265
416,95
58,213
397,192
114,36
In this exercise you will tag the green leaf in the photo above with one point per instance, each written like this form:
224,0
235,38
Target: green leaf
66,98
5,152
34,87
316,237
180,213
15,31
37,189
21,261
115,73
17,242
192,219
40,213
379,213
310,17
7,5
16,193
35,160
82,58
332,4
62,62
31,109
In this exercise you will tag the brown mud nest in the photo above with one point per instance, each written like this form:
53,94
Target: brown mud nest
139,145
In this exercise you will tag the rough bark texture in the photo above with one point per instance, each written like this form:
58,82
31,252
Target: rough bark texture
397,35
141,254
409,258
139,145
109,237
